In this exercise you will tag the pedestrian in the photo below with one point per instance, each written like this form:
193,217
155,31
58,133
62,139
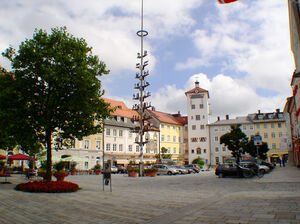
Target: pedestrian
279,160
283,162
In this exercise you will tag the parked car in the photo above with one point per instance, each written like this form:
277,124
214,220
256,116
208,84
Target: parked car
121,169
164,169
182,169
114,169
231,169
195,167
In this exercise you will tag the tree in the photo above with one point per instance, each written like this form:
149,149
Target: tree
253,149
235,141
55,76
199,161
164,154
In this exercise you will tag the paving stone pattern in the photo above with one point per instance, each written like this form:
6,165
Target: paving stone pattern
194,198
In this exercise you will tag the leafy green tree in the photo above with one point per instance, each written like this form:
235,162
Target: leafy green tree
164,154
235,141
55,81
253,149
199,161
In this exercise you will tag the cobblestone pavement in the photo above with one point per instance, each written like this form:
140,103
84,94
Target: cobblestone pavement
194,198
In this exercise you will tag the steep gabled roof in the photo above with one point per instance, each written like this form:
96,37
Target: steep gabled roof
120,108
169,118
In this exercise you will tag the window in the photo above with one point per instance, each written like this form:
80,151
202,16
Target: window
179,139
251,127
265,125
114,147
108,131
179,128
216,129
201,106
192,117
204,150
107,147
169,138
224,149
279,125
273,146
280,134
193,151
217,160
203,117
169,150
244,127
114,132
202,127
175,150
162,126
129,148
216,138
162,138
272,125
168,127
86,144
273,135
198,117
120,133
193,106
174,127
257,126
174,138
120,147
98,144
198,151
130,135
193,127
86,165
265,135
217,149
137,148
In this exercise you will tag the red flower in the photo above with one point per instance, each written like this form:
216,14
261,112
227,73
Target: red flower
48,187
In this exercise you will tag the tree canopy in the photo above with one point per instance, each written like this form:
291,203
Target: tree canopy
57,91
252,149
235,141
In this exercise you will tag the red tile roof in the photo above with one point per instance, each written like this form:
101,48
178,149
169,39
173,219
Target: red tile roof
200,90
121,109
169,118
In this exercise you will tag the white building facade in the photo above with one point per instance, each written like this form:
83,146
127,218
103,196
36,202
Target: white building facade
198,133
219,152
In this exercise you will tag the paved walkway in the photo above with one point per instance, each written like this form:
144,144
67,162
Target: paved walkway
194,198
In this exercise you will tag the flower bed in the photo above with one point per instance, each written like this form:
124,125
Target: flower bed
48,187
5,175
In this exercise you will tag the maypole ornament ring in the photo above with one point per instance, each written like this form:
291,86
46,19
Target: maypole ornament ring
142,33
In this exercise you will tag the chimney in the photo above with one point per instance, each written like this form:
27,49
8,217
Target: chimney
277,111
218,118
258,111
227,117
197,84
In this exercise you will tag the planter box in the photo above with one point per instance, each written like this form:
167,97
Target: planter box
151,174
132,174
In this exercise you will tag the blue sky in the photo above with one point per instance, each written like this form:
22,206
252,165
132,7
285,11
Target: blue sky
240,52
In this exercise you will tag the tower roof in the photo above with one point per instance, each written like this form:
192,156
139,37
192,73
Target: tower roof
197,89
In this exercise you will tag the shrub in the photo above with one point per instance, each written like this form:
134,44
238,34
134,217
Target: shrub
151,169
132,169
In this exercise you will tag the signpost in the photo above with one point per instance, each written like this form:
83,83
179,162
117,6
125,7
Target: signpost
257,142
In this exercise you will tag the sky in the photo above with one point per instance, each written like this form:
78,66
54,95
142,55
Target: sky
239,52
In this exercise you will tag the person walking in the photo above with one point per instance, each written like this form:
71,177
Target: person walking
279,160
283,162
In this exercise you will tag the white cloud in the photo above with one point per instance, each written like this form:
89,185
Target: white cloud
251,39
227,96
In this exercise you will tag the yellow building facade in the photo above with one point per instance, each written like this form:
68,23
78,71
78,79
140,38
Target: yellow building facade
172,133
271,127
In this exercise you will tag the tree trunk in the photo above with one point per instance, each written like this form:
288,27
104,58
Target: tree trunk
49,155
